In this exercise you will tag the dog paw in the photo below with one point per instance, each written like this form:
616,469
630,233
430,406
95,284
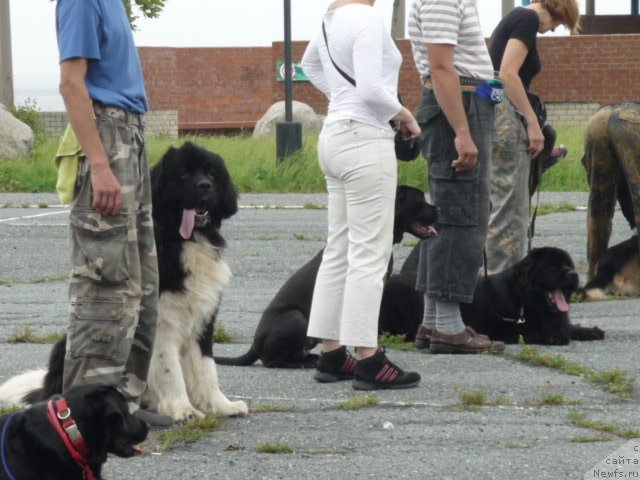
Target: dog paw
597,333
230,409
182,414
240,408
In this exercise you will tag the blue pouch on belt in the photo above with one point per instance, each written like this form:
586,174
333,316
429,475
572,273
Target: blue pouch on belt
491,91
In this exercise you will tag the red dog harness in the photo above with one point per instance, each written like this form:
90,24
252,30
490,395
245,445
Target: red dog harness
60,417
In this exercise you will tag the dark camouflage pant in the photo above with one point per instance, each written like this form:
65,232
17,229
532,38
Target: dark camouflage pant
113,291
612,159
510,199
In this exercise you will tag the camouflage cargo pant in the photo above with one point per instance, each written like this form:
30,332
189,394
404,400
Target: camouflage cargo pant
611,158
113,291
510,200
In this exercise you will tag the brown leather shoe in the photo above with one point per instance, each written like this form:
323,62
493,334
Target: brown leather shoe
467,341
423,337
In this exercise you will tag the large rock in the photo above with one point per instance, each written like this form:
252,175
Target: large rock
302,113
16,138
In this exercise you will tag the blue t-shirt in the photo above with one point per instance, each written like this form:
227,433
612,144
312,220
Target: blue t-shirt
99,31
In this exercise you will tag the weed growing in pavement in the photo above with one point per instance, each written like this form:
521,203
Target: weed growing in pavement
579,419
360,401
27,335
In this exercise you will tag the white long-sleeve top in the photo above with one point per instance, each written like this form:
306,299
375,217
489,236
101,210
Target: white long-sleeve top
363,48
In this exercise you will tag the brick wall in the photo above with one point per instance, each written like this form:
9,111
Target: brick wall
158,123
214,88
609,24
210,87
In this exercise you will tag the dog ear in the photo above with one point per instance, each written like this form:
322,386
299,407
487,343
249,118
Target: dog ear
158,176
228,193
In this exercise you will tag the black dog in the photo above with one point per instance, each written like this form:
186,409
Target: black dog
617,272
281,338
529,299
402,307
33,447
192,194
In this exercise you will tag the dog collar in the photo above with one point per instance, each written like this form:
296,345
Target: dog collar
59,415
5,465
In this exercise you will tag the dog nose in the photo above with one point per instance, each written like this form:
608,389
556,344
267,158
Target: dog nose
204,185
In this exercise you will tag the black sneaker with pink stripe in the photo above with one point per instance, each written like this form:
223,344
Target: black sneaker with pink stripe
378,372
334,366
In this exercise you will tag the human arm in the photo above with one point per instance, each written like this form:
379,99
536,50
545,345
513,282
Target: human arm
514,56
369,38
312,66
447,89
106,188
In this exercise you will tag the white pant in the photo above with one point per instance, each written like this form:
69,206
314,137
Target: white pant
359,164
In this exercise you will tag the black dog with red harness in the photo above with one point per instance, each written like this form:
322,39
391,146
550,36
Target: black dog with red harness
69,437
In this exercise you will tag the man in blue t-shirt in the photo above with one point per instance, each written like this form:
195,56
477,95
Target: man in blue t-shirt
113,291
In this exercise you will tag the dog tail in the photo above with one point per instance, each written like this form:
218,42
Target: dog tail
15,391
245,360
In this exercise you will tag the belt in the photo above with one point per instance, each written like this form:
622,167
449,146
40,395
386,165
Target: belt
131,118
467,84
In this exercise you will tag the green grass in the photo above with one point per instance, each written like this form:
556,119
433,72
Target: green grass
221,334
27,335
9,410
478,398
397,342
277,448
580,420
189,432
614,381
361,401
549,208
253,167
568,175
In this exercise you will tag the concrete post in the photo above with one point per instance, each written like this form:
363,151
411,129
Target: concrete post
6,62
398,19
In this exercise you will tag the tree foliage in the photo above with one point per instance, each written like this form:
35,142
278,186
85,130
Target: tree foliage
148,8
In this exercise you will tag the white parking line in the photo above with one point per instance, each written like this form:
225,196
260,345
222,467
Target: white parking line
23,217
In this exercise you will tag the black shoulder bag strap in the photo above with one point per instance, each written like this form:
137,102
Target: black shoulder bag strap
342,72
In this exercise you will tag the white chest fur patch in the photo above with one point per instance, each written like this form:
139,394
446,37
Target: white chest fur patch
207,273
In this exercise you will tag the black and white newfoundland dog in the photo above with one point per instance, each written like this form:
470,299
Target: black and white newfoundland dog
69,437
192,194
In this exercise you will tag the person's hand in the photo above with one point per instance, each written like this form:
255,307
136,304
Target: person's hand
107,195
467,153
410,129
536,139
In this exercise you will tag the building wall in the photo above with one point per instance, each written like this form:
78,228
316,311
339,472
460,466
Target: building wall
217,88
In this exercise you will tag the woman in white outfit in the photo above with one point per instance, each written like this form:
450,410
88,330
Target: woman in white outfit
356,154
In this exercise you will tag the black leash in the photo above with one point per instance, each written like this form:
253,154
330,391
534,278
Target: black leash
520,319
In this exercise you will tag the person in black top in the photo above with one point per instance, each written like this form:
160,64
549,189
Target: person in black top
518,136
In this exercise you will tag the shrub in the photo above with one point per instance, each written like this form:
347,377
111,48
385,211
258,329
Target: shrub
29,113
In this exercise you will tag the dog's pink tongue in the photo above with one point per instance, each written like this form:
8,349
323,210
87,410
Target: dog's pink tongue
188,221
560,301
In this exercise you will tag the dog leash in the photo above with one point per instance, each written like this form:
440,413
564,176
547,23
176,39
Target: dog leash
520,320
4,457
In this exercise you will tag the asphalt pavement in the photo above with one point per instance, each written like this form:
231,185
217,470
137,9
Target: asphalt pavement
425,432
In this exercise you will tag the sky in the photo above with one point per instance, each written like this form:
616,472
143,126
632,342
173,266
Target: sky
193,23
